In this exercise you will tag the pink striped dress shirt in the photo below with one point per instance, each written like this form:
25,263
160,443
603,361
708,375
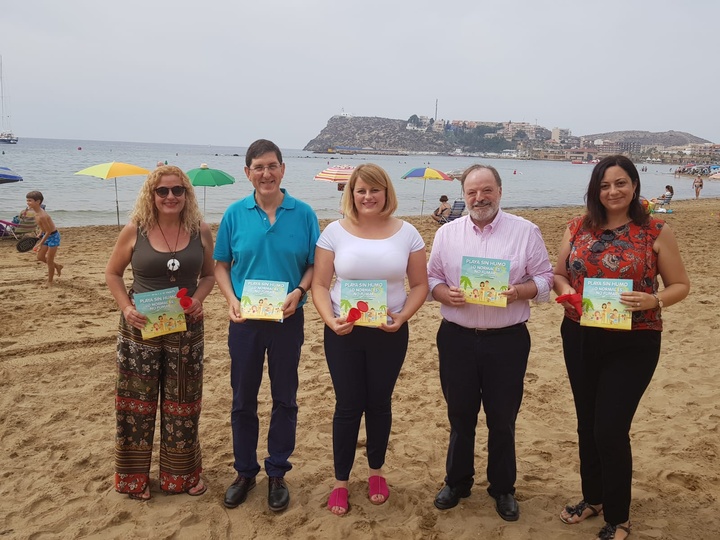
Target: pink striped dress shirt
507,237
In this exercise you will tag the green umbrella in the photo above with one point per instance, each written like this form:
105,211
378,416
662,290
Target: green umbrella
205,176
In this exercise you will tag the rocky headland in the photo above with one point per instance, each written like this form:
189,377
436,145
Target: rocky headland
370,133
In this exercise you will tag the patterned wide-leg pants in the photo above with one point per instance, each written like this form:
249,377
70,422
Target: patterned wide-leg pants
169,367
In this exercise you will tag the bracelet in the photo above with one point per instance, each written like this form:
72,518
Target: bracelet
303,291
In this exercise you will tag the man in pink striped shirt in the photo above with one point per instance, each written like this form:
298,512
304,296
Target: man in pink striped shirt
484,349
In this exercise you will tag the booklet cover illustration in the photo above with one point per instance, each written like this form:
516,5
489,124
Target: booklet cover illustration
263,299
364,301
163,311
484,279
601,303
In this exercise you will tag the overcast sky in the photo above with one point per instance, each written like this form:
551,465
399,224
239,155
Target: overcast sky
227,72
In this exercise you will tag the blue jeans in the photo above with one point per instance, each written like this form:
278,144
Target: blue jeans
248,343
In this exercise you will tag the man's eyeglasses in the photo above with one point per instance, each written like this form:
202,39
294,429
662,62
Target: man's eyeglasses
259,169
601,245
177,191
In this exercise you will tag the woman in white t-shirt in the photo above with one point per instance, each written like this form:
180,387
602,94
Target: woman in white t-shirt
368,244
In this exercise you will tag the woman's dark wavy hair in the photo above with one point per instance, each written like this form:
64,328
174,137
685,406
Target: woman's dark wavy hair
596,215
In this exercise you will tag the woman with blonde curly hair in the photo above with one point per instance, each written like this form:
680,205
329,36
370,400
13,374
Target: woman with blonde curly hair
167,245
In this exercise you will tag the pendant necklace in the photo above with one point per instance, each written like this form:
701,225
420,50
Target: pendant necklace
173,264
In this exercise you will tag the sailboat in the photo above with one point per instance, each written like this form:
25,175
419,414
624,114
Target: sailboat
6,134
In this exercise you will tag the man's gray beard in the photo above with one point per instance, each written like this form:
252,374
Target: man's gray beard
484,214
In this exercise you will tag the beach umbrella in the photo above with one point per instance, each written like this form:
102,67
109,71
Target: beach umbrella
338,174
7,176
113,170
205,176
425,174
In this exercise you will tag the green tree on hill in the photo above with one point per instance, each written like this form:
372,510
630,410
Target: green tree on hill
414,120
474,140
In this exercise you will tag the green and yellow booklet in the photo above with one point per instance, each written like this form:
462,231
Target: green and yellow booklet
163,311
364,301
263,299
483,280
601,303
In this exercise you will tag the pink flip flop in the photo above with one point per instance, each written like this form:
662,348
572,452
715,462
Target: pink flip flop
198,489
339,498
378,486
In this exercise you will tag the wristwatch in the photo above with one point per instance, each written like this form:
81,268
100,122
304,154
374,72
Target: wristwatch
303,291
659,301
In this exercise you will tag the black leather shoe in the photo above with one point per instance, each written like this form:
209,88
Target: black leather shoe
507,507
450,497
238,490
278,494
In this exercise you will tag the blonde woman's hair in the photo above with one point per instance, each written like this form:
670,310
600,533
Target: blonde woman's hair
145,213
375,176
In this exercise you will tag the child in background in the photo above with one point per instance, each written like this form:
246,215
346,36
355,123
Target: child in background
50,240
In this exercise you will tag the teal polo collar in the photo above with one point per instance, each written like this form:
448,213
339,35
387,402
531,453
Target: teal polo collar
288,202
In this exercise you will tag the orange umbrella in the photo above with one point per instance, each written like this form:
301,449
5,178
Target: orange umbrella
338,174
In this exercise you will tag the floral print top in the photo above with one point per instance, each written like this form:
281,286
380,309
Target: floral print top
622,253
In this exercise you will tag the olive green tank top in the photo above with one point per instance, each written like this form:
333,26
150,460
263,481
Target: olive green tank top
150,270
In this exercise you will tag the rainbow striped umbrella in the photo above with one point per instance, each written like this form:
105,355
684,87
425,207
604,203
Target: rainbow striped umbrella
425,173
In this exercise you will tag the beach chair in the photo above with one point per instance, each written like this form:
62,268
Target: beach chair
663,201
24,231
456,211
26,226
659,205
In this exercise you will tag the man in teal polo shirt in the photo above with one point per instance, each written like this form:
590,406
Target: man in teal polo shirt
268,235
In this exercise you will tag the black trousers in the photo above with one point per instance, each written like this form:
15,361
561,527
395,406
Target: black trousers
482,368
609,372
364,366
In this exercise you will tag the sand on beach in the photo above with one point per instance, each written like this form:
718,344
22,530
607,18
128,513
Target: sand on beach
57,374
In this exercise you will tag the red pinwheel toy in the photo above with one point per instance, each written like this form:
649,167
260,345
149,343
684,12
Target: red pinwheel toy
185,301
574,299
356,313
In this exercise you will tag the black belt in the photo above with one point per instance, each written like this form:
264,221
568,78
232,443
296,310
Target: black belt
52,232
486,331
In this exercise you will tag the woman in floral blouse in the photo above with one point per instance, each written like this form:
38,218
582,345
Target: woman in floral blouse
609,370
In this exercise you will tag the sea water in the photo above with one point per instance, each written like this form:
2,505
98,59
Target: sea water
48,165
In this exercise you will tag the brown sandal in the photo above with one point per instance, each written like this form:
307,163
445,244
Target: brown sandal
578,511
